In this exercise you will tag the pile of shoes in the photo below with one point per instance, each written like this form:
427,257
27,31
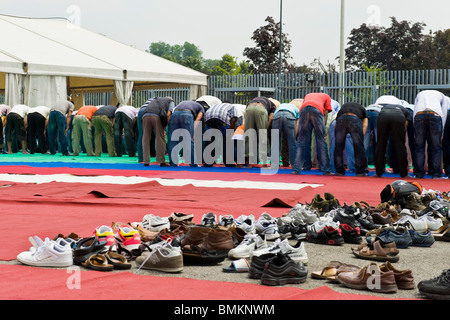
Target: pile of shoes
324,221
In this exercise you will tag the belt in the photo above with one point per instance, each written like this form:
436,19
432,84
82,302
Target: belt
349,114
183,110
426,112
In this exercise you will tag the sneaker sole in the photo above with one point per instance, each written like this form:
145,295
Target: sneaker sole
435,296
282,281
327,241
50,265
167,270
384,289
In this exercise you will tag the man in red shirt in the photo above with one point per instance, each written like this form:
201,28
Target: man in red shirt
313,116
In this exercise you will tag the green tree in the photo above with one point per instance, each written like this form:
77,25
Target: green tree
265,55
401,46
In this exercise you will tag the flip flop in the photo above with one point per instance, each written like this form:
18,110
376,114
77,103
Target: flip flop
118,261
331,270
238,266
98,262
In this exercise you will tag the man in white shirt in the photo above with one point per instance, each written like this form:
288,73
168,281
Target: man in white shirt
4,110
37,119
16,127
446,143
430,115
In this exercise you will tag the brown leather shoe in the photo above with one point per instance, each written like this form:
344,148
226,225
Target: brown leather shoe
218,240
370,278
403,278
195,236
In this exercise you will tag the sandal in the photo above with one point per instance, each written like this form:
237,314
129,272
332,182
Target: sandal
237,266
87,247
98,262
377,251
332,269
118,261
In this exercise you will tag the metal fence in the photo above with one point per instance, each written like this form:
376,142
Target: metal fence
361,87
138,97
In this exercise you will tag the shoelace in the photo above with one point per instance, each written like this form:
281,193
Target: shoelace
444,278
154,248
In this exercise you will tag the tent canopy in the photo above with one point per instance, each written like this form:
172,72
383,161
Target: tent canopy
89,61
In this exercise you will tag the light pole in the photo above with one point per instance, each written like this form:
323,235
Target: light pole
280,55
281,38
342,56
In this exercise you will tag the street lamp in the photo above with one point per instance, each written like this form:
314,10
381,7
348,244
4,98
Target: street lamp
280,60
342,55
281,38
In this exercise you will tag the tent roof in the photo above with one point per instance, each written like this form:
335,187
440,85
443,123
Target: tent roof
54,46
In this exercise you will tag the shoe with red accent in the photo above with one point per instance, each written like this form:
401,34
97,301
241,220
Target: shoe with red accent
325,233
350,234
105,233
128,237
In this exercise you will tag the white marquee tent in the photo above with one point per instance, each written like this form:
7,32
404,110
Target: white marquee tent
44,60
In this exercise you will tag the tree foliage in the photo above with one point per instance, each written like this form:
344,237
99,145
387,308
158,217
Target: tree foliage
401,46
264,57
190,55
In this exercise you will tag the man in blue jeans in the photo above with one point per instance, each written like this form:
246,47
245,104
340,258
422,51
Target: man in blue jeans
313,116
285,119
370,138
430,115
351,119
58,125
187,115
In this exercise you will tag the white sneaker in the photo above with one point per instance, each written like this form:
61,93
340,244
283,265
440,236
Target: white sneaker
419,225
226,220
47,253
296,252
432,223
303,212
267,226
250,243
246,223
209,219
155,223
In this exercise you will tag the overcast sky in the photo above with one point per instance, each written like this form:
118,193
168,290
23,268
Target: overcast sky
220,27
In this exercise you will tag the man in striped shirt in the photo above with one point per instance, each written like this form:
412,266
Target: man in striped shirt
222,117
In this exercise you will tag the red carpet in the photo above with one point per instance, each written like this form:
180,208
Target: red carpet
48,209
61,284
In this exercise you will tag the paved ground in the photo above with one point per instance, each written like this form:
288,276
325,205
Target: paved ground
425,263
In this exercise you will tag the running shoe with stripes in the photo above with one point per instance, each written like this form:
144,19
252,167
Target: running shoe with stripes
128,237
106,234
296,252
250,243
155,223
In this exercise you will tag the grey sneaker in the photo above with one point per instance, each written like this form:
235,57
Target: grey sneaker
163,258
437,288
